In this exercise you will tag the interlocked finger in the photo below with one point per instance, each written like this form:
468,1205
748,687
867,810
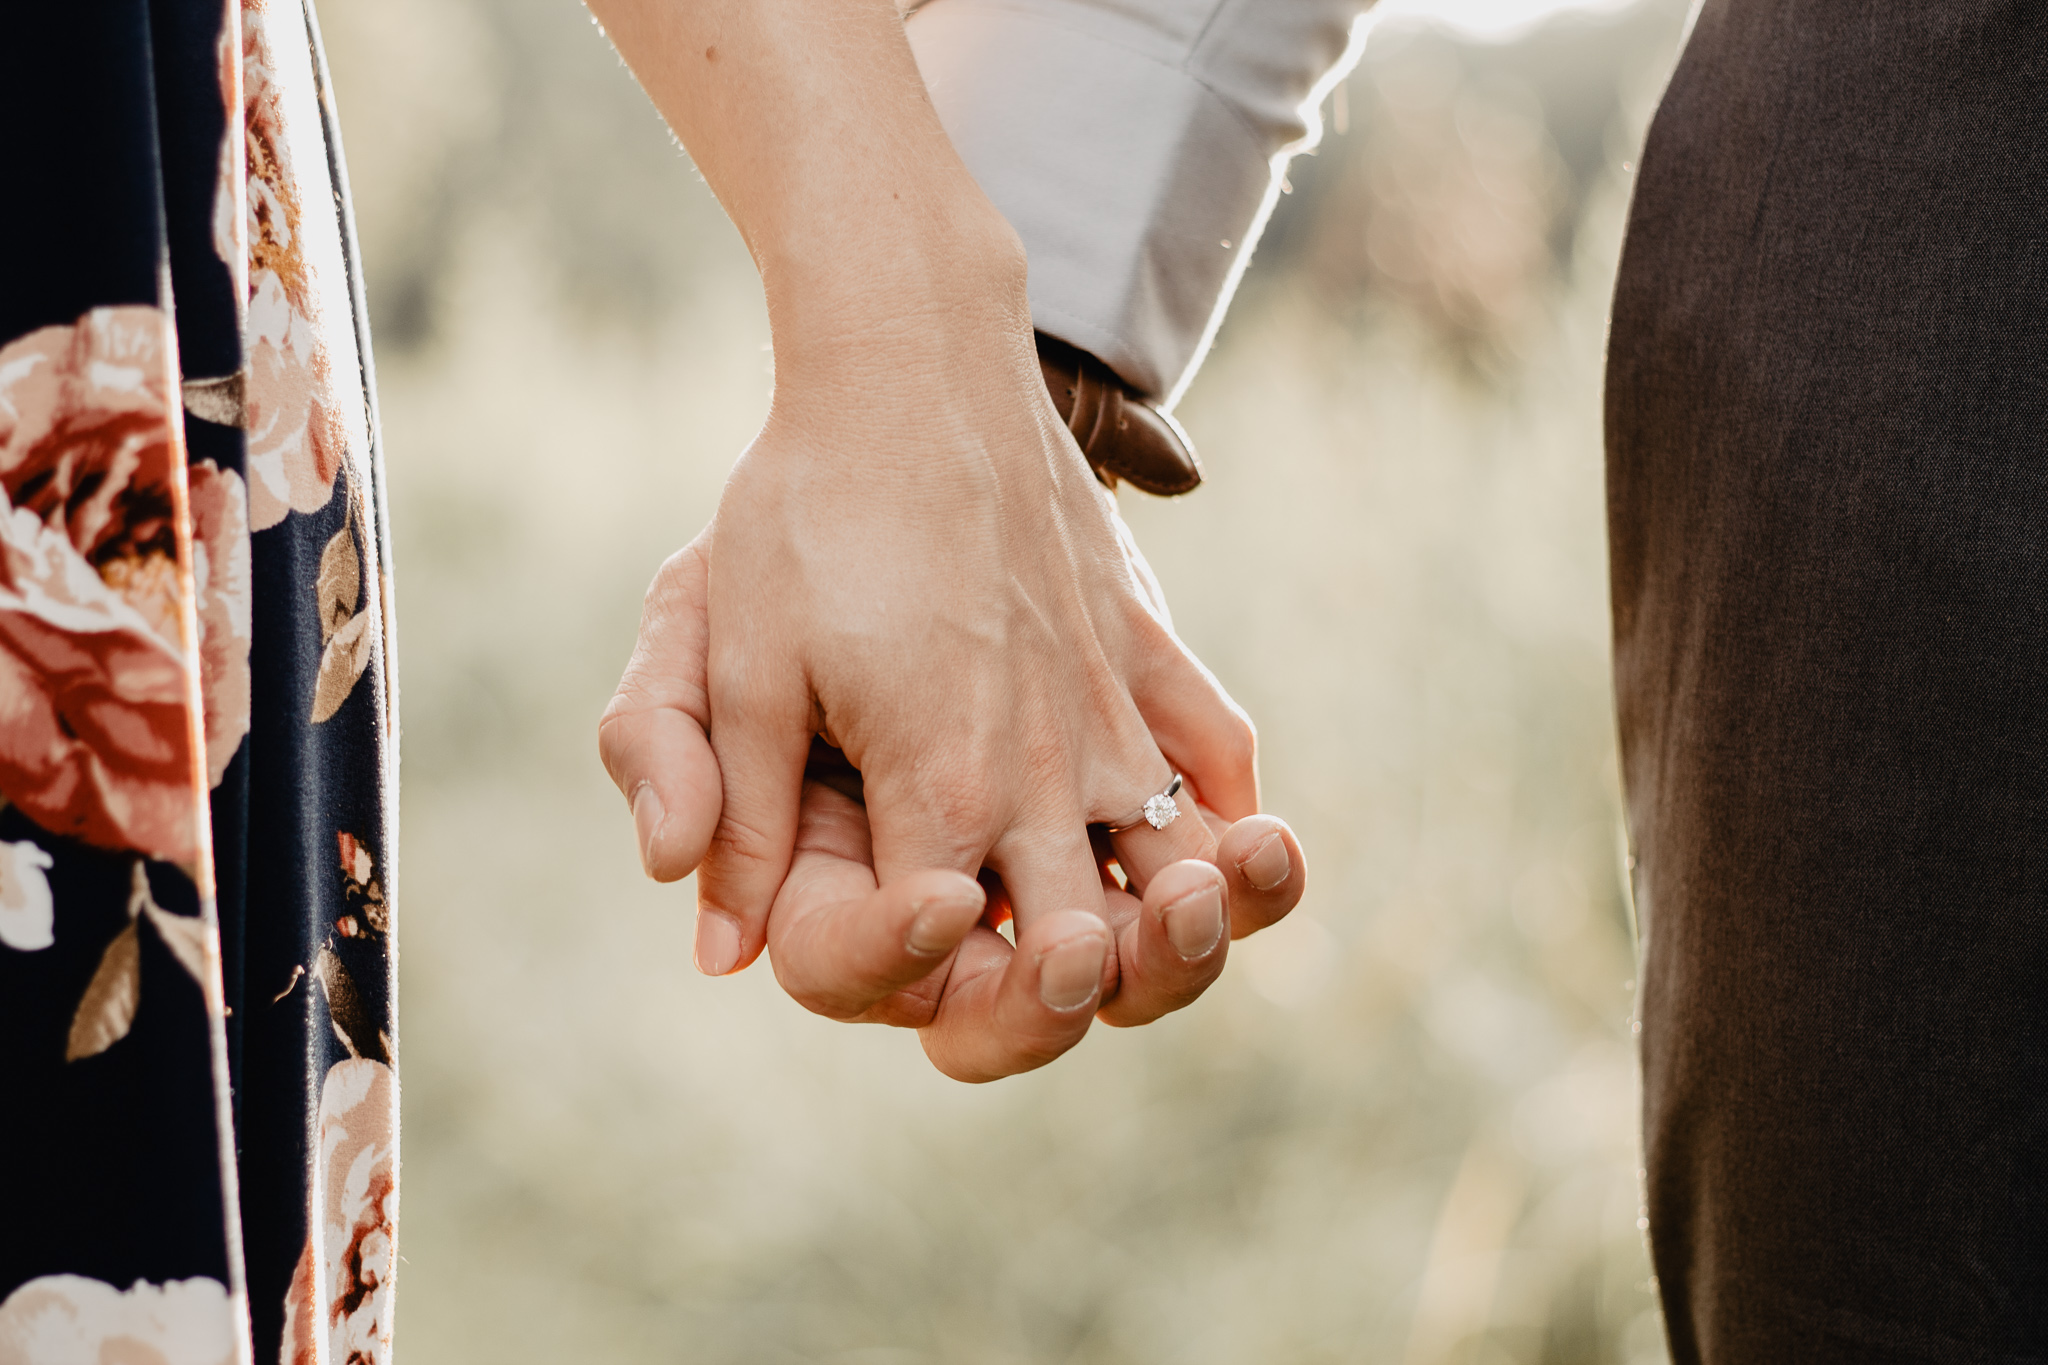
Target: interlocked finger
1166,831
1265,870
1008,1010
653,737
848,949
1047,869
1170,945
1203,733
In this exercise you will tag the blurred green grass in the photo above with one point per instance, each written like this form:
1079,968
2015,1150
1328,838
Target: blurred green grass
1400,1129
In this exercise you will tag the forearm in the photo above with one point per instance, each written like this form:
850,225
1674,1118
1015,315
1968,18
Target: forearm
809,121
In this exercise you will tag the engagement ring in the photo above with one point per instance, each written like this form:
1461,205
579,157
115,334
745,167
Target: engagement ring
1159,811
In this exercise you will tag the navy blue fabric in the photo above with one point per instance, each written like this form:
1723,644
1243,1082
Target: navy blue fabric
119,1152
110,180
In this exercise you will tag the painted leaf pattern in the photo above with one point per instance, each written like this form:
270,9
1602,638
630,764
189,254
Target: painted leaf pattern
339,585
187,938
344,631
354,1025
107,1009
341,663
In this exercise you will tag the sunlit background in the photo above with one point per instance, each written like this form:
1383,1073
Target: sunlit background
1402,1127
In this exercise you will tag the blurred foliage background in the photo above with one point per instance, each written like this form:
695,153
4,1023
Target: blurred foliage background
1401,1129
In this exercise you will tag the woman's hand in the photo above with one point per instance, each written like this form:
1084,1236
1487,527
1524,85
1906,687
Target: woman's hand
923,952
912,559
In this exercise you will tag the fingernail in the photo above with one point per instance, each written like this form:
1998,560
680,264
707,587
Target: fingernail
1069,974
1267,865
1194,923
937,927
648,813
718,943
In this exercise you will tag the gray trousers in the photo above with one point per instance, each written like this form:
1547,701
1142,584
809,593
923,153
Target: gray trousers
1827,443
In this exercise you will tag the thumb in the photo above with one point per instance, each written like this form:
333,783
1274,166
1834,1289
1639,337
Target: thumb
654,734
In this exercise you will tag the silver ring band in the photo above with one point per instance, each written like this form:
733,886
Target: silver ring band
1158,811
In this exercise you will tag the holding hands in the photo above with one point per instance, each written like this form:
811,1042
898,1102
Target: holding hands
916,668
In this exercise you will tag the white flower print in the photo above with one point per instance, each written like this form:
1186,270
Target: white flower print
25,907
72,1320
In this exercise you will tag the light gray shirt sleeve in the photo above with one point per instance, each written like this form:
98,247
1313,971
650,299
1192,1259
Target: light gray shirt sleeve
1137,148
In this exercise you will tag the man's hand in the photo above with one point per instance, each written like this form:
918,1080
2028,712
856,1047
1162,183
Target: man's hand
923,952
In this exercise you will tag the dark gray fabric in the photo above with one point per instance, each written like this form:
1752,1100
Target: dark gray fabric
1828,500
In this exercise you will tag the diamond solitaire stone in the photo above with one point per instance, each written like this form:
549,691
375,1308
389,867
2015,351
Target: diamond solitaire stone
1161,810
1158,811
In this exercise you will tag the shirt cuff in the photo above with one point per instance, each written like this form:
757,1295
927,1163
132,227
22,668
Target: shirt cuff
1134,185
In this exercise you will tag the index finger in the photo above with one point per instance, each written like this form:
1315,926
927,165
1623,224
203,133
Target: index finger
654,735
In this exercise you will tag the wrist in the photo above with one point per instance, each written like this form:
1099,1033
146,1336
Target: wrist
923,274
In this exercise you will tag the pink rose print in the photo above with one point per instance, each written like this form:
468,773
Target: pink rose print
342,1289
224,592
359,889
95,740
356,863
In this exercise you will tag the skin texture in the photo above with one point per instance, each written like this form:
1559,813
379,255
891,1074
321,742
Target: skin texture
914,562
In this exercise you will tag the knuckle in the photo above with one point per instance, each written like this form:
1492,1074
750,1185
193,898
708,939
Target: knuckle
967,813
620,712
676,578
660,606
736,840
960,811
1239,740
620,743
735,679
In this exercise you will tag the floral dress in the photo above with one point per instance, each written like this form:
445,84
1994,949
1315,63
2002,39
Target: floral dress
198,746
